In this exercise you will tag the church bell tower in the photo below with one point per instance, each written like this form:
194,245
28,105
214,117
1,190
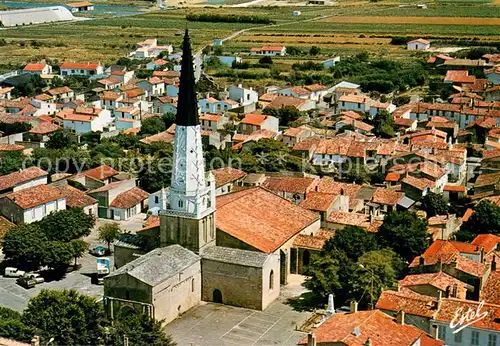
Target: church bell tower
189,217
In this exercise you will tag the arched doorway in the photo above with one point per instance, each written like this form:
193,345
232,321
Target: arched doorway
306,258
217,296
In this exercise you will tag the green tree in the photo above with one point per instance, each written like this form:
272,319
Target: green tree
24,245
323,277
66,225
152,126
141,330
156,176
13,161
11,326
376,271
434,204
69,317
383,123
353,241
315,50
485,219
61,138
285,114
266,60
168,119
405,233
57,255
108,232
78,248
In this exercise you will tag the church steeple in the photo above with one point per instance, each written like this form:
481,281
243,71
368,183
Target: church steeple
187,104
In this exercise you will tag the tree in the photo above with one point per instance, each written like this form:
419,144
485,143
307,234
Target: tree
353,241
152,126
61,138
434,204
141,330
24,246
69,317
13,161
315,50
156,176
485,219
376,271
266,60
78,248
11,326
405,233
109,232
285,114
168,119
66,225
383,123
323,272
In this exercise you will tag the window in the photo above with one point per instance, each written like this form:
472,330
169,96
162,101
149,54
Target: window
271,280
192,285
458,337
474,338
32,213
181,204
492,340
442,333
157,200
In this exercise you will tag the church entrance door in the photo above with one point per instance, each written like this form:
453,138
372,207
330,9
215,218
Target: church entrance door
217,296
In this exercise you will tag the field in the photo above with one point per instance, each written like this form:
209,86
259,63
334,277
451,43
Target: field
349,28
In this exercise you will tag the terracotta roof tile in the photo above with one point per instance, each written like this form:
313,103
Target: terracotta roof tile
289,184
386,196
101,172
74,197
449,306
314,242
410,302
254,119
34,67
129,198
246,215
318,201
488,241
439,280
44,127
37,195
80,66
419,183
227,175
13,179
164,136
491,290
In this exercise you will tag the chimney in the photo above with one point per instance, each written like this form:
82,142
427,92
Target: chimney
400,317
354,306
311,339
494,264
35,341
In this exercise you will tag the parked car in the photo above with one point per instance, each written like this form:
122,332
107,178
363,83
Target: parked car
34,276
13,272
26,282
98,251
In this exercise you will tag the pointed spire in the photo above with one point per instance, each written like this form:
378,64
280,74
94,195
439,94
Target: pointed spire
187,104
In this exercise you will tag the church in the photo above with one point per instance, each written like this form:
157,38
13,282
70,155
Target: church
236,249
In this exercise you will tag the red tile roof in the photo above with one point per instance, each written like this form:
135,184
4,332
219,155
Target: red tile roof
318,201
37,195
491,290
450,246
488,241
227,175
44,127
419,183
34,67
454,188
313,242
13,179
392,176
101,172
11,147
287,101
375,328
164,136
386,196
289,184
439,280
129,198
410,302
254,119
80,66
260,218
74,197
449,306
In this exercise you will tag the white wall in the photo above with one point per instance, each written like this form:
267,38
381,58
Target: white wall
40,211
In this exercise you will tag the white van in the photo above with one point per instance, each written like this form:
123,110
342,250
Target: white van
13,272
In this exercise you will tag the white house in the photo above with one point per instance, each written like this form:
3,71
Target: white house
165,104
296,91
153,86
16,181
419,44
81,69
82,121
212,122
355,103
375,107
255,122
212,105
38,68
32,204
330,62
44,107
6,93
150,49
269,51
127,117
110,83
83,6
242,95
158,63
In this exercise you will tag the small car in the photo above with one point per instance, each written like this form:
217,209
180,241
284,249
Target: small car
35,276
13,272
98,251
25,282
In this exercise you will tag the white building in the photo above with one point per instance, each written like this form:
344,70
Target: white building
419,44
83,122
32,204
269,51
38,68
81,69
83,6
357,103
212,105
242,95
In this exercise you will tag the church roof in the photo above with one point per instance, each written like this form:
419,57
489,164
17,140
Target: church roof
158,265
247,216
187,105
235,256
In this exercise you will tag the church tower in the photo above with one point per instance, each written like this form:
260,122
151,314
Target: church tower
189,217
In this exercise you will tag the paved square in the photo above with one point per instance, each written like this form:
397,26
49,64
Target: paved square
213,325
